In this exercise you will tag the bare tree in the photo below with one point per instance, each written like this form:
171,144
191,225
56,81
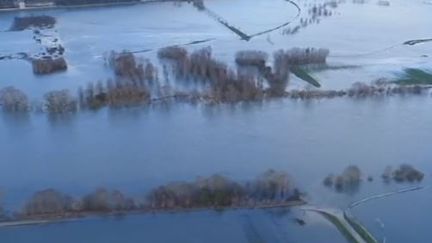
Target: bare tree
48,202
14,100
60,102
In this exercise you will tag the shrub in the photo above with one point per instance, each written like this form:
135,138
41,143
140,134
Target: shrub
235,89
123,93
14,100
175,53
303,56
48,202
220,191
103,200
348,181
251,58
407,173
117,93
272,185
214,191
60,102
127,66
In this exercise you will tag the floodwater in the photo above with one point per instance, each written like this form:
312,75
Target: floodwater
213,227
365,40
136,149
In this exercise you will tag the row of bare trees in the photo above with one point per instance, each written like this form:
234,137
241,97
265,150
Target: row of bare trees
113,93
226,85
236,88
349,180
127,66
53,203
270,188
120,93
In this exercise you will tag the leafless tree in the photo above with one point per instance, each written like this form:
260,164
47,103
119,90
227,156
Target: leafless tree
14,100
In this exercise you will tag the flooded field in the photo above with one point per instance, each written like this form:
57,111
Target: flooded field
139,148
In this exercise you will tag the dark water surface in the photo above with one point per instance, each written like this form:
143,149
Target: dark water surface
139,148
136,149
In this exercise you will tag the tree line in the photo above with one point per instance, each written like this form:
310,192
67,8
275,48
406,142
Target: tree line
216,191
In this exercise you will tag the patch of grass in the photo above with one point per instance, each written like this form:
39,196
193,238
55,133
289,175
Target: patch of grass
413,76
364,233
303,75
341,228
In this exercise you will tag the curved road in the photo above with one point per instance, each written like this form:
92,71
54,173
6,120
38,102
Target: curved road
338,215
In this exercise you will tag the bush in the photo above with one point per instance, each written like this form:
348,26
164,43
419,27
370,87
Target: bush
348,181
302,56
272,185
235,89
175,53
220,191
215,191
60,102
251,58
48,202
103,200
117,93
14,100
126,66
407,173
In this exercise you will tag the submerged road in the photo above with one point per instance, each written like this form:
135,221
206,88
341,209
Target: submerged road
353,231
337,218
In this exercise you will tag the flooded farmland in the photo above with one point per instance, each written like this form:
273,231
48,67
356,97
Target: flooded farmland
137,148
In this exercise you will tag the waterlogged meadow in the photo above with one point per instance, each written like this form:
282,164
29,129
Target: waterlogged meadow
216,121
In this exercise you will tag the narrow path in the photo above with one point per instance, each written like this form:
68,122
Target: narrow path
243,35
222,21
385,195
338,219
344,221
299,11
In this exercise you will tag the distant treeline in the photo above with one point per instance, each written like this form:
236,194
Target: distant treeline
349,180
136,81
271,188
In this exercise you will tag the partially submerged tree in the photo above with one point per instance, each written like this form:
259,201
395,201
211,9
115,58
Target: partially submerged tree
103,200
251,58
220,191
404,173
128,67
13,100
348,181
272,185
48,202
60,101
